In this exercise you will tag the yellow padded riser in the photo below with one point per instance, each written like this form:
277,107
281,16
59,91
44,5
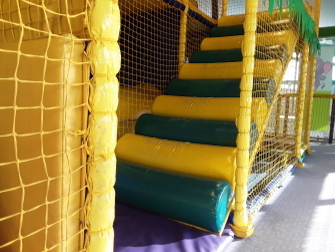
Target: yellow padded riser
286,37
200,160
197,107
207,108
239,19
229,70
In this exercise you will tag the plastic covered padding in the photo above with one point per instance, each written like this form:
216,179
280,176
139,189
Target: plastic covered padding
45,154
105,57
198,202
200,160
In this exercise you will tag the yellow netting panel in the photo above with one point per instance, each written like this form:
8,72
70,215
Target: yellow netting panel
275,149
149,43
44,83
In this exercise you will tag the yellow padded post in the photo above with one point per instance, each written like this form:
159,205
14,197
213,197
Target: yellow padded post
105,58
200,160
241,226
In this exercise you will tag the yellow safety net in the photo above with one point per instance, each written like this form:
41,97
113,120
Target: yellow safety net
48,196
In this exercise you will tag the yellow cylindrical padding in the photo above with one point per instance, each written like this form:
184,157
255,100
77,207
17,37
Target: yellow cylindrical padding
239,19
229,70
208,108
301,100
250,69
200,160
105,59
197,107
286,37
182,35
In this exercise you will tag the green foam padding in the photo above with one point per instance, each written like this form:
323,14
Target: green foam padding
212,132
204,88
199,202
235,30
265,87
234,55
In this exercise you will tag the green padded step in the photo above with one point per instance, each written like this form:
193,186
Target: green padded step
265,87
234,30
203,203
212,132
233,55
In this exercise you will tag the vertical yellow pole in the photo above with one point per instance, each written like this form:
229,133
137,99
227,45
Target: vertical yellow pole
309,95
105,59
301,102
224,7
182,36
241,226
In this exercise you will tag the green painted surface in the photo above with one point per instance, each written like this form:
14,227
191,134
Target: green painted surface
227,31
200,202
326,32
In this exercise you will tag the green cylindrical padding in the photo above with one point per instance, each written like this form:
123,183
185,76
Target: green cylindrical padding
233,30
234,55
204,88
212,132
200,202
214,56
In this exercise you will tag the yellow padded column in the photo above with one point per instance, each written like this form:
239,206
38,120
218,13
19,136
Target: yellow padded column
105,57
242,227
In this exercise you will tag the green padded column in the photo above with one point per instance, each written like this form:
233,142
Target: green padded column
199,202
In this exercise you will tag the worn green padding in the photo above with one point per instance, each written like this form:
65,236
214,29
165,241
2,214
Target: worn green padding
235,30
187,129
233,55
265,87
199,202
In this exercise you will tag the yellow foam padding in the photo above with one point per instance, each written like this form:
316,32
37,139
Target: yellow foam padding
200,160
229,70
32,16
135,101
44,162
286,37
239,19
208,108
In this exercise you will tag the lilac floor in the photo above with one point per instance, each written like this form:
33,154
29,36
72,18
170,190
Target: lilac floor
139,231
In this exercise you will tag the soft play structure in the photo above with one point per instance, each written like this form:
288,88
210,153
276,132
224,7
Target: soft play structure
194,111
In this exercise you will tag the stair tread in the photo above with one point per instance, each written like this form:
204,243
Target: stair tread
233,55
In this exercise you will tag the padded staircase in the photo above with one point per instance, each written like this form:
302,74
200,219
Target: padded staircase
180,163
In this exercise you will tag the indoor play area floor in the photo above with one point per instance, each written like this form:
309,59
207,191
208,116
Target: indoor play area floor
299,217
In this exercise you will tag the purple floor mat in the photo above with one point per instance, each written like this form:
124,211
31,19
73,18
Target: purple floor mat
139,231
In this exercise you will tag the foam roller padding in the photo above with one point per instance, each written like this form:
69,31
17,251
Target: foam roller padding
286,37
265,87
209,108
199,160
188,130
233,55
229,70
201,203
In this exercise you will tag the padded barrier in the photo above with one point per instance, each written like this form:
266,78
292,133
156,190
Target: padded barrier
199,160
49,152
212,132
218,87
202,202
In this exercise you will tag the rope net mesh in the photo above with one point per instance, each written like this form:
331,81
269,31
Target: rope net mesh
44,82
275,152
149,43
